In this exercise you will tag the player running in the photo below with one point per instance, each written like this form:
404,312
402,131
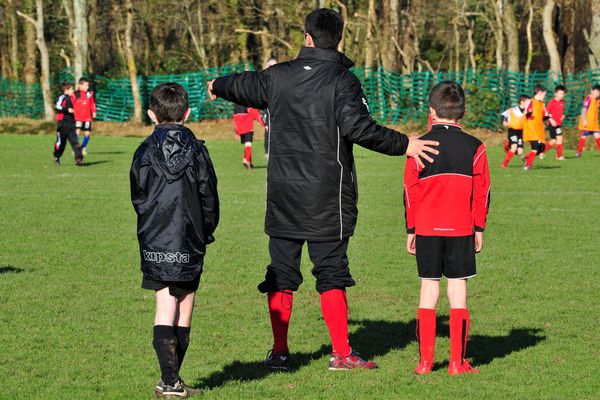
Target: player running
243,122
513,119
533,126
588,122
556,113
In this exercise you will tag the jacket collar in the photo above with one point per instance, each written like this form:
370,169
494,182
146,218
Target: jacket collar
316,53
446,125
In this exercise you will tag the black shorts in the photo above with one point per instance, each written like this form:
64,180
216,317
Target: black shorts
84,126
246,137
538,146
555,131
452,257
329,259
176,289
515,136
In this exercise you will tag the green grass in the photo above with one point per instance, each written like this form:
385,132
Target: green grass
74,323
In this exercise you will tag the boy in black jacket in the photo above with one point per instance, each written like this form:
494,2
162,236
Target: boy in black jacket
65,122
174,193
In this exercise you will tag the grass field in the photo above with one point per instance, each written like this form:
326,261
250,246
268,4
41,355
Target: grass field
74,323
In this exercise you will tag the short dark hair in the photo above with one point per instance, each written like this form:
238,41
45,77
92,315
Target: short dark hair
447,98
169,102
65,85
558,88
524,97
538,88
83,80
596,87
325,26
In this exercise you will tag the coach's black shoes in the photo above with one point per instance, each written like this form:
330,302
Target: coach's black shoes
277,361
167,391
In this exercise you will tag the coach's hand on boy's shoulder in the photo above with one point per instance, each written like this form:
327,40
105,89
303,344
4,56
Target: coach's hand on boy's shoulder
209,86
478,241
417,149
410,244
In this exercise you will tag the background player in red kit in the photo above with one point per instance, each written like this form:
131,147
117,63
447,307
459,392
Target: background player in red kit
243,122
85,110
555,110
446,209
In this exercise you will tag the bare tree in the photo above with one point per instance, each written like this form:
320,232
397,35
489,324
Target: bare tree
131,66
14,40
29,68
370,49
45,59
593,37
511,34
529,37
550,39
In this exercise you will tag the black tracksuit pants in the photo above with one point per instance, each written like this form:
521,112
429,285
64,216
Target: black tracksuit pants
67,132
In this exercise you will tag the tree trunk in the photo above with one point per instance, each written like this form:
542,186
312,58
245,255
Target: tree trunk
550,40
80,32
344,13
457,15
511,34
370,50
14,40
92,30
529,37
45,59
30,66
135,89
594,35
409,37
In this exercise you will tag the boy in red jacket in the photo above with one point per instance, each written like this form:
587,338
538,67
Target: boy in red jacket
85,110
446,208
243,122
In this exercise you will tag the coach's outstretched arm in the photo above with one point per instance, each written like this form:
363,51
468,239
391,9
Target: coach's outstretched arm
355,123
248,89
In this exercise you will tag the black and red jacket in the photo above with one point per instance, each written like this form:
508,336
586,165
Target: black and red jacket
63,103
451,196
244,117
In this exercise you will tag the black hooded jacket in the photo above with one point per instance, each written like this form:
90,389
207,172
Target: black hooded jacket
174,193
317,111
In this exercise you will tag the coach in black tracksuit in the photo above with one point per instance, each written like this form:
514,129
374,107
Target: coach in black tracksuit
318,111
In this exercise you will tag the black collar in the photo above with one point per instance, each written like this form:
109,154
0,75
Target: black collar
450,126
316,53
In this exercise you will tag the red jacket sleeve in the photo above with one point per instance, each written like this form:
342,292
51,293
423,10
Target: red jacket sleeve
411,195
481,188
92,103
254,113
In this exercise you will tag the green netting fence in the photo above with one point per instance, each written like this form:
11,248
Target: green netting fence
393,97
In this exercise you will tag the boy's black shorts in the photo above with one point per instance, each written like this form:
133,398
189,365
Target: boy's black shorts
452,257
176,289
84,125
515,136
555,131
246,137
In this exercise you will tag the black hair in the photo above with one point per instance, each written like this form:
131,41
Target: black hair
83,80
325,26
65,85
447,98
169,102
596,87
538,88
559,88
524,97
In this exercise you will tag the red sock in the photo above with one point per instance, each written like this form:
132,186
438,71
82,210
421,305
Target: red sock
598,143
248,153
530,158
426,333
459,332
581,145
335,313
548,147
559,150
506,145
280,309
509,155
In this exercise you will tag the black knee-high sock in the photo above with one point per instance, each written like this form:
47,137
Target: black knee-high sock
165,345
183,340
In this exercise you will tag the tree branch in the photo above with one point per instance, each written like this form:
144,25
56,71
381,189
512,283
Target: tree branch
261,33
26,17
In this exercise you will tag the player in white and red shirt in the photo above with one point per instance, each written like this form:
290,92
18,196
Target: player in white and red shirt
85,111
243,122
555,109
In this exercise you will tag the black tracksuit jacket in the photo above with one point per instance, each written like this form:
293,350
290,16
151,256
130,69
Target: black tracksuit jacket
174,193
317,111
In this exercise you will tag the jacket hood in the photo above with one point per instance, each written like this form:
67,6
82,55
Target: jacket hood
173,147
317,53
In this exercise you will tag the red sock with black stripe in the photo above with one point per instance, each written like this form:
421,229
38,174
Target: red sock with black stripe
280,310
459,333
426,333
335,314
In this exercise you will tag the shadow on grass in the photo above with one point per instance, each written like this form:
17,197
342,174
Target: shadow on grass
372,338
9,269
89,164
377,338
109,152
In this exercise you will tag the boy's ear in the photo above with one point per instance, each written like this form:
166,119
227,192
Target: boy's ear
152,116
187,114
433,114
308,40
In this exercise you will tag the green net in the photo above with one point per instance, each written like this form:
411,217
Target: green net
393,97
